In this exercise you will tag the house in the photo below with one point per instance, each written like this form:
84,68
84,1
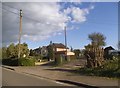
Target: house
36,51
114,52
59,47
60,50
52,50
44,51
107,51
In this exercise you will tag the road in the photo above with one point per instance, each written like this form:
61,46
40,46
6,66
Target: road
12,78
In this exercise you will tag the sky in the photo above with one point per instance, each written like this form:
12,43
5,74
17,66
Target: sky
43,22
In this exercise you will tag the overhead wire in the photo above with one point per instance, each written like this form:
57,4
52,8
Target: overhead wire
10,11
37,21
10,6
26,17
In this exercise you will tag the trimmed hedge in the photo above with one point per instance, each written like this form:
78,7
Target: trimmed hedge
29,61
10,62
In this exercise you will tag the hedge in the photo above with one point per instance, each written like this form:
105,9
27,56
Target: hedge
10,62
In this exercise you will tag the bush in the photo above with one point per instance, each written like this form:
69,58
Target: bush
111,65
29,61
10,62
60,60
109,69
72,57
37,58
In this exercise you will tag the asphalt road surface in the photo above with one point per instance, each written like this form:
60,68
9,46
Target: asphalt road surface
12,78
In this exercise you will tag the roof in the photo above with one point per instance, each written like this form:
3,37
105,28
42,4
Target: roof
58,45
109,48
37,49
44,47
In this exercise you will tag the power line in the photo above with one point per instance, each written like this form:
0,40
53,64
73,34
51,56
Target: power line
18,14
10,11
10,6
37,21
26,17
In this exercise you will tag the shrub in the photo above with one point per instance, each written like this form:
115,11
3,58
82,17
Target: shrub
109,69
10,62
29,61
73,57
60,60
37,58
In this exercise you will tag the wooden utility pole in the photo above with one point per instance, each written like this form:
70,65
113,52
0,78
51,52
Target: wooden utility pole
20,31
65,43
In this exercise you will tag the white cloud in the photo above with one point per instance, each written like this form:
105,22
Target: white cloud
78,14
48,20
48,14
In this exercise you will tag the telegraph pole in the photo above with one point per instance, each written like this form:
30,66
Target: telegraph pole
65,43
20,31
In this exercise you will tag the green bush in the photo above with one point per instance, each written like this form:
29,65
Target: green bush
109,69
111,65
60,60
10,62
37,58
73,58
29,61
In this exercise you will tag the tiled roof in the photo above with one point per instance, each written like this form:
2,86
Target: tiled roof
58,45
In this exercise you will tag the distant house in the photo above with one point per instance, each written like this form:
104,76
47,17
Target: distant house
107,51
114,52
44,51
54,49
60,49
36,51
